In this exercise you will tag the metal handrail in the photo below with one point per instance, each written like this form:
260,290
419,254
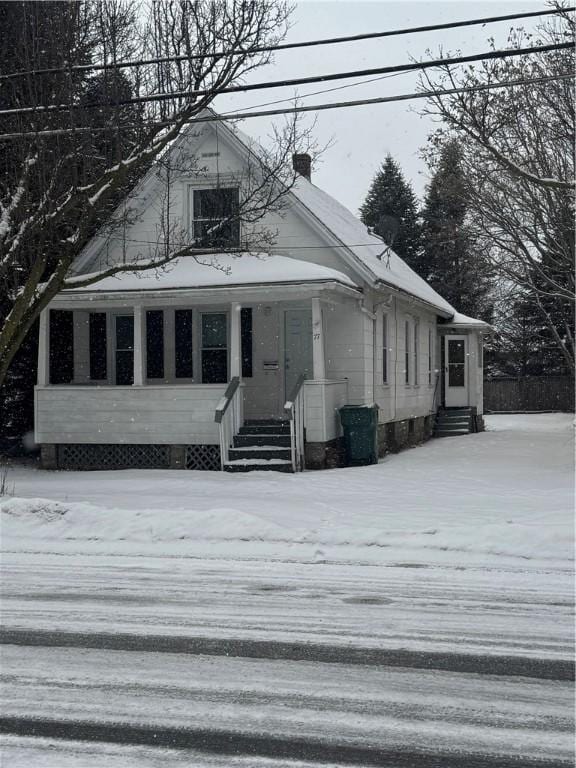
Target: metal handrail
226,399
294,409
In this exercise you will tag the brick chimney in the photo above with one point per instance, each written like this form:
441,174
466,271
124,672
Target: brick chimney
302,164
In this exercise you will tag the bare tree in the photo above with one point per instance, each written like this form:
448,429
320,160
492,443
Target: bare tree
518,156
59,188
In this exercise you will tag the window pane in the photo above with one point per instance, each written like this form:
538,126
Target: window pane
246,334
61,363
456,375
215,203
455,351
384,349
183,342
210,208
214,331
124,355
124,332
98,346
406,353
214,366
124,367
155,344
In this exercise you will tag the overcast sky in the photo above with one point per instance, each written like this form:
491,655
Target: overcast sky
363,135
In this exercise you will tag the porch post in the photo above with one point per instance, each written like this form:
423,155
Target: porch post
139,336
318,360
44,349
235,342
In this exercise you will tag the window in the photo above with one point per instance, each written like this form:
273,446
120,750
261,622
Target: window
98,346
456,363
183,364
155,344
415,352
124,352
61,361
407,352
246,340
430,356
214,348
384,349
215,217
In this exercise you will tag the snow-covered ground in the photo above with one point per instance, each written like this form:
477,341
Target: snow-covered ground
272,607
501,497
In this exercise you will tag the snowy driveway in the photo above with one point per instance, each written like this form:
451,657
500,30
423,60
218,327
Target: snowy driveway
414,613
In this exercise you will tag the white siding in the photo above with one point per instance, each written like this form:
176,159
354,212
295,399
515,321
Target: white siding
323,399
157,414
348,348
396,399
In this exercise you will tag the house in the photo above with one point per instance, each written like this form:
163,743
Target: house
245,362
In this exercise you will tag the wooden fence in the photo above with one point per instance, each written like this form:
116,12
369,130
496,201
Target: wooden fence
532,393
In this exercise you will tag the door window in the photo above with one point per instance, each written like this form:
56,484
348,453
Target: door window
456,363
215,348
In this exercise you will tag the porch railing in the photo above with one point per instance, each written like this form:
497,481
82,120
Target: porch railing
294,410
229,417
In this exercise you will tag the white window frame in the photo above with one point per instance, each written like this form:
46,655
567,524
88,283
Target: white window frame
407,353
220,183
430,356
385,356
416,351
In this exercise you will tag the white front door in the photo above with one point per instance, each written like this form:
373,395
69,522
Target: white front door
297,347
456,371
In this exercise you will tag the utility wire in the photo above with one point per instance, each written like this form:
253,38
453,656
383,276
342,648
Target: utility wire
286,46
296,110
490,55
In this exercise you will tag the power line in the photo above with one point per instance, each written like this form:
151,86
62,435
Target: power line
296,110
286,46
490,55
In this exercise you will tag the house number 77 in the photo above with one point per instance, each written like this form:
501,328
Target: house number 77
316,336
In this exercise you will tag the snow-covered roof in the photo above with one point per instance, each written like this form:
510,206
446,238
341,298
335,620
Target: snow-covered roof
367,248
467,322
220,270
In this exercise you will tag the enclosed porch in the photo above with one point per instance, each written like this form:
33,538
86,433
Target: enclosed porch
180,379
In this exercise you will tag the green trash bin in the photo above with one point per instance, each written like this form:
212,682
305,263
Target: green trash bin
360,426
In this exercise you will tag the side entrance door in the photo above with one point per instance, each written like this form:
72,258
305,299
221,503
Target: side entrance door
297,347
456,371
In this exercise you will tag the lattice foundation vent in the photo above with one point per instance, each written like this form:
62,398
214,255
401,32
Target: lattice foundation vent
205,457
114,456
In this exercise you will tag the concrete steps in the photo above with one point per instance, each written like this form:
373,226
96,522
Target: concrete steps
451,422
261,446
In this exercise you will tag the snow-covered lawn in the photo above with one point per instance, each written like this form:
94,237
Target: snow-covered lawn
501,497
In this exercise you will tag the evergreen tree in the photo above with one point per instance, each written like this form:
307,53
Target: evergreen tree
448,261
391,210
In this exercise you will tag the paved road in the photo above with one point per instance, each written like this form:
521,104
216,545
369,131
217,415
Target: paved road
202,663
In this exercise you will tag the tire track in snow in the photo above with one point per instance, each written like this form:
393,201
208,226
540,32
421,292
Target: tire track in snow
225,742
468,663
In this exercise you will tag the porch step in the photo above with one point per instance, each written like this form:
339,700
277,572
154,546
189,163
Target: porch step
453,421
266,423
265,429
261,440
258,465
265,452
450,432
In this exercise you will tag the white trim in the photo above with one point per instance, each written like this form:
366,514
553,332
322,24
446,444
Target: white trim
44,349
318,356
235,342
140,336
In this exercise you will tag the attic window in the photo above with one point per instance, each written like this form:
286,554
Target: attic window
215,217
